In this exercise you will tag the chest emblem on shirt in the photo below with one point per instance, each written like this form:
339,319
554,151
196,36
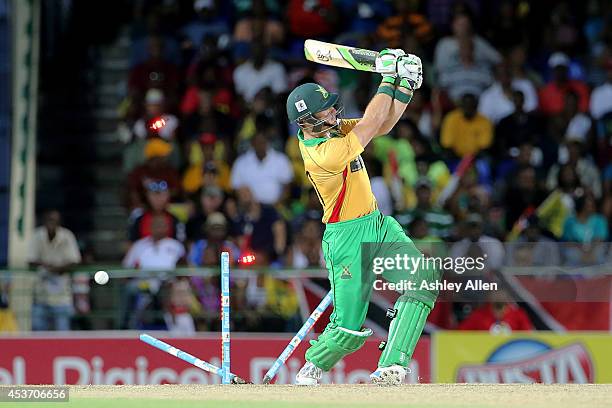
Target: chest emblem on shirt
357,164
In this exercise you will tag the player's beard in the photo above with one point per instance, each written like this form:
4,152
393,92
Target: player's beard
331,125
326,127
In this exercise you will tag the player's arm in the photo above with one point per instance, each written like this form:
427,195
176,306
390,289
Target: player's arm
375,114
396,112
379,107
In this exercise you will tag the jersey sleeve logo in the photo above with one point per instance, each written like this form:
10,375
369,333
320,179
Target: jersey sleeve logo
357,164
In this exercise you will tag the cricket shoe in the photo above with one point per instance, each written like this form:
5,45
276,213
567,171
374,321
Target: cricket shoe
310,374
392,375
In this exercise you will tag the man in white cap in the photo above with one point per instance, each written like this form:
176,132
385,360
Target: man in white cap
552,96
155,110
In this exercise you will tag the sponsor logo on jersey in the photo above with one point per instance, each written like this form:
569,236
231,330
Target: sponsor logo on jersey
357,164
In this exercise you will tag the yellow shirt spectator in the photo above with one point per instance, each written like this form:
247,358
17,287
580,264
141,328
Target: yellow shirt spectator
465,135
7,321
281,297
205,165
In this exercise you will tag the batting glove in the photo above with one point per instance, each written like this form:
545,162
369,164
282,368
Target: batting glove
386,62
410,68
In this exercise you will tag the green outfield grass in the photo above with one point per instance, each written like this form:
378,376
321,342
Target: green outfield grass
284,396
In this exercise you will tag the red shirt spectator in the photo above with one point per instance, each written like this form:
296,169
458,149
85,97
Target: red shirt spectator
552,95
221,100
492,315
310,19
157,200
143,226
155,109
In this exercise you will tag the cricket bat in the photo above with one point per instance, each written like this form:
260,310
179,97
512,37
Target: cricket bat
342,56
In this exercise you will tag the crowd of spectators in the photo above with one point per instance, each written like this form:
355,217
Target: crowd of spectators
521,91
516,93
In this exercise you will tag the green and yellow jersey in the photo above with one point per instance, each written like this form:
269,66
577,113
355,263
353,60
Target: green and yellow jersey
337,172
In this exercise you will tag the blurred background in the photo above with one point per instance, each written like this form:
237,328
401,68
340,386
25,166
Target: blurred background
144,138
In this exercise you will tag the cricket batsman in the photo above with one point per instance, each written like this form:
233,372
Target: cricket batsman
331,149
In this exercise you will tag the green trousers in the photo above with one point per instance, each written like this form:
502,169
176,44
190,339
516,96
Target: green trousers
342,249
350,248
